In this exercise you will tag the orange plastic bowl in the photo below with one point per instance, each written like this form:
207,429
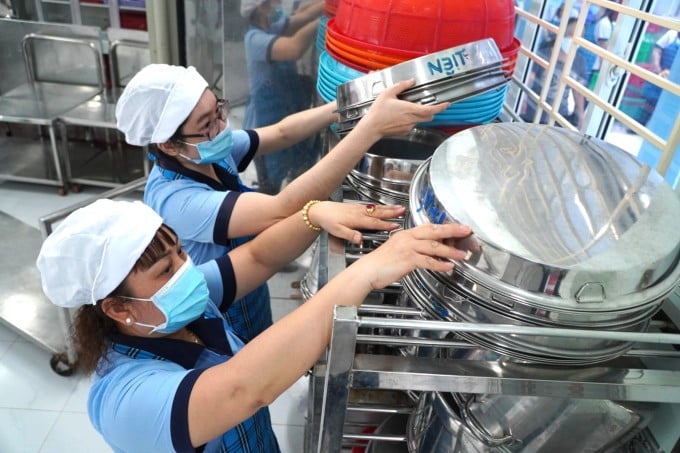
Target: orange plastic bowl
426,26
364,54
352,60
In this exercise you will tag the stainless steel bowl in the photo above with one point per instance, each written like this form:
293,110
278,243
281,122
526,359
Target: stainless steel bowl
569,231
529,423
451,75
389,165
561,221
505,423
535,349
434,427
449,90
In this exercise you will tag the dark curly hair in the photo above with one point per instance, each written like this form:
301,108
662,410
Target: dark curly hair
92,328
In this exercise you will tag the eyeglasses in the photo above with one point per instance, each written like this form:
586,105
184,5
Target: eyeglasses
214,126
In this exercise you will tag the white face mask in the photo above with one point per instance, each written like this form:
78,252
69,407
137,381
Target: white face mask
566,43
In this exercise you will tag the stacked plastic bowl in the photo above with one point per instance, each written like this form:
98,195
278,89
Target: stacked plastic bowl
368,35
320,41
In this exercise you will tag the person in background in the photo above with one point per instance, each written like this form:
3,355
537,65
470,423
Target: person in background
274,42
572,105
170,375
663,55
602,33
194,183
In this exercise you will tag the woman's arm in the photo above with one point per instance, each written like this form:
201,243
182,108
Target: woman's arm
257,260
303,15
292,48
388,116
226,394
296,127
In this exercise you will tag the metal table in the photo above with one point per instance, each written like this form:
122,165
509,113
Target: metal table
40,105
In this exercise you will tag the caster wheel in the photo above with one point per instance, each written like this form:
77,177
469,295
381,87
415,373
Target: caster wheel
62,191
76,188
60,365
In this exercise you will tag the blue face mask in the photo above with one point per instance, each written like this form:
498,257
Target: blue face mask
181,300
215,150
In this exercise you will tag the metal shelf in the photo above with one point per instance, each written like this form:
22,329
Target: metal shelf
630,377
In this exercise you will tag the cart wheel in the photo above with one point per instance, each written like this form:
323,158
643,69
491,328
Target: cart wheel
60,365
76,188
62,191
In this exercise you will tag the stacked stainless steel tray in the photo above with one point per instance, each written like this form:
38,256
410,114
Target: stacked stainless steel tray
449,75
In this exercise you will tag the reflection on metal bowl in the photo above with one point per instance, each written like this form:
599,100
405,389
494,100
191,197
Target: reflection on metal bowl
384,173
393,425
435,427
569,231
529,423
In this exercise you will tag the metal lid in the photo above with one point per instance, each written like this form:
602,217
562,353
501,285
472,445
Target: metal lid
563,220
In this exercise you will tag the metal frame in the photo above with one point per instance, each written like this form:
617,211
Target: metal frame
100,113
32,108
614,63
620,379
627,378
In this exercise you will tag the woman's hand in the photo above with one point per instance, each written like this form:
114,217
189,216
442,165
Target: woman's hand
389,115
421,247
343,219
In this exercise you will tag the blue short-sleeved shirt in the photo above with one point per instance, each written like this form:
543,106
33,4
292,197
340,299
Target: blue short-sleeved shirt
198,208
140,394
276,91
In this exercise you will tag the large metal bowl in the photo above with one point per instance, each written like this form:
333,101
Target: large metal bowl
446,304
506,423
569,231
530,423
562,221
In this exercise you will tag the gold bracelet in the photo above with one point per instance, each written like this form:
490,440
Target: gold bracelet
305,215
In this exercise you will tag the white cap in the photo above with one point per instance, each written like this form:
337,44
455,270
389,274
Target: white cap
157,101
248,6
93,249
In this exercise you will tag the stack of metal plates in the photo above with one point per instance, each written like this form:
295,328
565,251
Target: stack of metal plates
449,75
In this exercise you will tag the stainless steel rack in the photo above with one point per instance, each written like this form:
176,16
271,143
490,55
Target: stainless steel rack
351,363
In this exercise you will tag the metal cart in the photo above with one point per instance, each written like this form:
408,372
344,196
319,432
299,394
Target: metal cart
639,375
24,307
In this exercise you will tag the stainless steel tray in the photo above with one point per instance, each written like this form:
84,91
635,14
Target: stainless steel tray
440,66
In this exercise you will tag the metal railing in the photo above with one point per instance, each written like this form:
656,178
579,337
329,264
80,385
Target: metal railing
617,64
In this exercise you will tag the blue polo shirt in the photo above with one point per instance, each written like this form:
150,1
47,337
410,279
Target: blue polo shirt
199,208
276,91
140,394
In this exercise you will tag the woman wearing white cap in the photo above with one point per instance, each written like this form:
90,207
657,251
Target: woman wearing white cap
194,184
170,374
274,42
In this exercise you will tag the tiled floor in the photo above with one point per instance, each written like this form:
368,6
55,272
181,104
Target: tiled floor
42,412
